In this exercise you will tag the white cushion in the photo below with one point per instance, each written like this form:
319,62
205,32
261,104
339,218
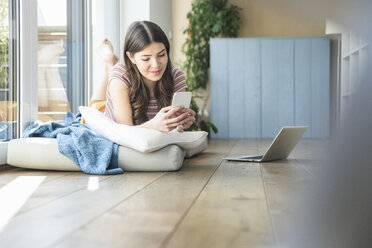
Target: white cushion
197,149
140,139
42,153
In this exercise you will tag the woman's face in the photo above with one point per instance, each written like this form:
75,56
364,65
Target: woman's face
151,61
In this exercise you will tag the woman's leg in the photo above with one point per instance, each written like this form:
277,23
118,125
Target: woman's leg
106,52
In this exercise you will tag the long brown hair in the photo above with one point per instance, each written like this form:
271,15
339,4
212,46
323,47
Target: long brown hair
139,35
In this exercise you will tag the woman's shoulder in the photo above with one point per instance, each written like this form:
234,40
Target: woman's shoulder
119,71
176,71
178,75
179,79
119,67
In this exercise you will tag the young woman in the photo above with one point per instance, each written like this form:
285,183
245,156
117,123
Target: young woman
139,92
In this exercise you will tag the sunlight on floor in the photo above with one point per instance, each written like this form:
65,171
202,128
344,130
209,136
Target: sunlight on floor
93,184
14,195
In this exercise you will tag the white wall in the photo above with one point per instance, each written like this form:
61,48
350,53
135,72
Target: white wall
105,24
161,12
132,11
180,23
355,52
158,11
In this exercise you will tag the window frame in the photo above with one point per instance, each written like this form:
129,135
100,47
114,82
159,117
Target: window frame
14,69
14,58
76,53
28,45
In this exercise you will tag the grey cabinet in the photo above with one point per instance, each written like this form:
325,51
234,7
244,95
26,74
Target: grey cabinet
259,85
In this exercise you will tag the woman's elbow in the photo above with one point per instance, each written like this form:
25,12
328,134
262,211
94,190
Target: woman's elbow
124,121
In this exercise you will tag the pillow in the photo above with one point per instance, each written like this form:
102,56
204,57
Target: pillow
197,149
42,153
140,139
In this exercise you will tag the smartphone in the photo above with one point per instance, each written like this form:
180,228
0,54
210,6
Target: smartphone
181,98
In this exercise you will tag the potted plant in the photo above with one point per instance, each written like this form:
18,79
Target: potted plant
207,19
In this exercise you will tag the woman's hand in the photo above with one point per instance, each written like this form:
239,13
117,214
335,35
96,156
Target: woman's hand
168,119
188,121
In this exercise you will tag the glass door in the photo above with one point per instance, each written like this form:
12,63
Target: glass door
61,57
52,60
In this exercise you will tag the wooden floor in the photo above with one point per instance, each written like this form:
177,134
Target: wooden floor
208,203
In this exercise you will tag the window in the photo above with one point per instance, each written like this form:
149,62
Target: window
61,58
47,57
52,60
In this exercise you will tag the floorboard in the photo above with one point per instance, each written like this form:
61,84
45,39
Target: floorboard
147,218
43,226
210,202
284,180
231,211
10,173
60,187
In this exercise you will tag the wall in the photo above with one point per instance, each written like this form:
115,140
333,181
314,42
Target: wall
105,24
158,11
134,11
352,22
161,13
180,23
264,18
267,18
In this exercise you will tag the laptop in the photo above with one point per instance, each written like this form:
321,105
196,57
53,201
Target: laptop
280,148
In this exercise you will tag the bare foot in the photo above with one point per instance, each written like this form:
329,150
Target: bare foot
106,52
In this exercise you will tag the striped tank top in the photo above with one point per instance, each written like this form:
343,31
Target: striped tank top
119,72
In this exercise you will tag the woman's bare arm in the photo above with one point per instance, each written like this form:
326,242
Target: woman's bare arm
121,102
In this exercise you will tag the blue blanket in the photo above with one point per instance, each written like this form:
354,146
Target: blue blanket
94,154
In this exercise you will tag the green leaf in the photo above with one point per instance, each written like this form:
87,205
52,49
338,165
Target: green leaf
214,128
207,19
